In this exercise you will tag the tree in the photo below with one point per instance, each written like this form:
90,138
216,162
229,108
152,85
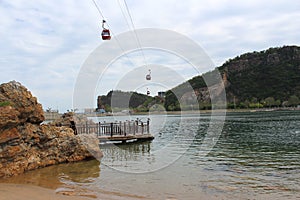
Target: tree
254,100
247,103
269,102
293,100
277,103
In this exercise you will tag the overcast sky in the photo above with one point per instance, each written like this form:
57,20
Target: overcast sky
44,44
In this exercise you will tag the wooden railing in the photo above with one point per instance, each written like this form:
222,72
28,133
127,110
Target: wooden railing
115,128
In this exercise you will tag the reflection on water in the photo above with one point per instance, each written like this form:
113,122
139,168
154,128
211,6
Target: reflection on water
128,152
66,178
256,157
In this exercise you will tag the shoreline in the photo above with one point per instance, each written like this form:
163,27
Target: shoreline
14,191
185,112
193,112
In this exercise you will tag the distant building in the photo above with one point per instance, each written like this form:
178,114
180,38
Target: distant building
161,94
89,110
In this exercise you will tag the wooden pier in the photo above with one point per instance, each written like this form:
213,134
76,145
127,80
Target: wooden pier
128,131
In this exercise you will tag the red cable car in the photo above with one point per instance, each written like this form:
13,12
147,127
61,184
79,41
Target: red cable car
105,32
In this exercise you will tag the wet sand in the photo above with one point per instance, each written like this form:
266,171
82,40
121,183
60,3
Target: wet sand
22,192
10,191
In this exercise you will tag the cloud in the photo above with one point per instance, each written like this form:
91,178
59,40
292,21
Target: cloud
44,43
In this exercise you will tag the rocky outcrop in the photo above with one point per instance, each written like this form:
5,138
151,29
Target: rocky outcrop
21,100
70,120
25,144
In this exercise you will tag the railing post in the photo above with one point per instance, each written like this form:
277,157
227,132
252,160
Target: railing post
137,126
99,129
124,129
86,128
129,127
120,128
142,124
111,129
148,125
134,124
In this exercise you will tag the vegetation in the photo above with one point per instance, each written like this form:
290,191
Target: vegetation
118,100
266,79
4,103
269,78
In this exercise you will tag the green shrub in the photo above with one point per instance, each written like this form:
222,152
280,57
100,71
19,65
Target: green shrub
4,103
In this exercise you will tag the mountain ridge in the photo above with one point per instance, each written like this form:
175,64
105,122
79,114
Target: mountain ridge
272,74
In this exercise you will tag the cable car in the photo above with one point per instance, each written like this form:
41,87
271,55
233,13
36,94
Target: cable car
105,32
148,76
148,92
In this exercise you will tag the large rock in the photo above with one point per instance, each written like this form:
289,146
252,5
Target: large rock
27,145
22,101
9,117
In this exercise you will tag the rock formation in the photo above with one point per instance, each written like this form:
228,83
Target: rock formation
26,144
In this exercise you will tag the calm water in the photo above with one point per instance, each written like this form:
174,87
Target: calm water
257,156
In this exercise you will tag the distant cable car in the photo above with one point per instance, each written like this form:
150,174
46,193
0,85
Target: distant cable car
148,92
148,77
105,32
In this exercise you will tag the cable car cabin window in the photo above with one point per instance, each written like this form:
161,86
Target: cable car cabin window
105,34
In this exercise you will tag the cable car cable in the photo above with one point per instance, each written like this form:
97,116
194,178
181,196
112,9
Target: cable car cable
148,76
137,38
124,15
112,33
101,14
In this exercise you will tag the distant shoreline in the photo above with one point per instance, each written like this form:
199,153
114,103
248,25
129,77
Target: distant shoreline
194,112
185,112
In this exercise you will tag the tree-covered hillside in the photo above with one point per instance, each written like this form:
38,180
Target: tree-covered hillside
267,78
118,100
271,73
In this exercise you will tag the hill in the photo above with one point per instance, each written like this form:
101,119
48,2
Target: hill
117,100
267,78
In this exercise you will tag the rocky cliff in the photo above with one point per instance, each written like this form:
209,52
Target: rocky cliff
26,144
249,78
274,72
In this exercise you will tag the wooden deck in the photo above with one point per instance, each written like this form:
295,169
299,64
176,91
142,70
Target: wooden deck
127,138
113,132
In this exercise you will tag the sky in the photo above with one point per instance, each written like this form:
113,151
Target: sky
44,44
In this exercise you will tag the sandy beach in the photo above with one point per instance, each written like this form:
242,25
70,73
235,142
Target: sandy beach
22,191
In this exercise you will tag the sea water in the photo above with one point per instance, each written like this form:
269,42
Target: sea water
255,156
